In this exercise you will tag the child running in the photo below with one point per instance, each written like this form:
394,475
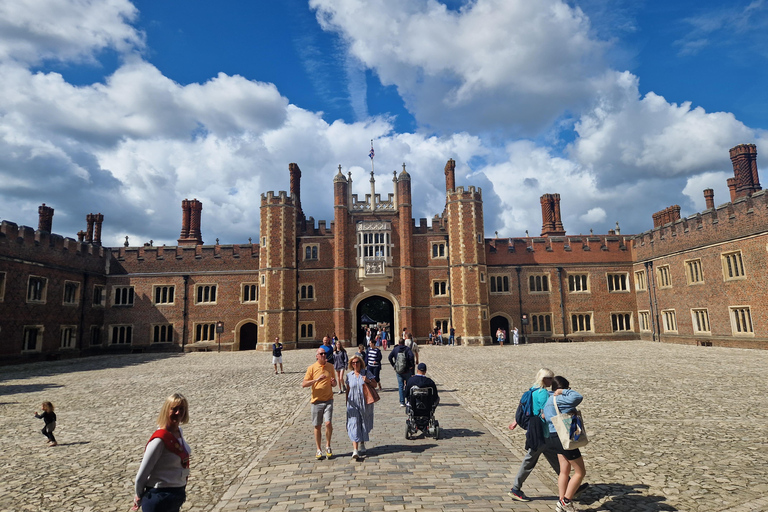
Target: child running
49,417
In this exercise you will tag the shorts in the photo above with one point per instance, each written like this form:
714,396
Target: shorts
568,454
322,412
277,359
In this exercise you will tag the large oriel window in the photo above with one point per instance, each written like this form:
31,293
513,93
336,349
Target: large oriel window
374,242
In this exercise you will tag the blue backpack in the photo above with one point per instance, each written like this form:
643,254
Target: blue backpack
525,409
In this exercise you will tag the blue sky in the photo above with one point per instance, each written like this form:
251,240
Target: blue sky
126,108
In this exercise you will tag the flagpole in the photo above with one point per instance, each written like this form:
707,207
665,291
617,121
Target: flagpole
371,155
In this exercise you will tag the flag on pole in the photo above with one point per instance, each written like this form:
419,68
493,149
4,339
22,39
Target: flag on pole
371,153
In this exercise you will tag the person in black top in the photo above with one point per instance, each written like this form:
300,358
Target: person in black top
49,417
277,355
420,380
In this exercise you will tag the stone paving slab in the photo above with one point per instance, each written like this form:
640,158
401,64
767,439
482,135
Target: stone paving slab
672,428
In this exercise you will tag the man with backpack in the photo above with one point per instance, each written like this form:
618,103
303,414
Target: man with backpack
401,359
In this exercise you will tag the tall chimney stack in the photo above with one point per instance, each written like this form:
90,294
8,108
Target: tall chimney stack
45,218
450,175
709,198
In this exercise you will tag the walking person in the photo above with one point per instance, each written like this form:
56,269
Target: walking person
515,336
384,339
401,359
539,395
321,376
567,486
340,362
162,477
411,344
373,362
452,336
359,413
49,422
277,355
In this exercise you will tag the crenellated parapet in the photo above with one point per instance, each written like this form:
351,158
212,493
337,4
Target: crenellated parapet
309,228
27,244
746,216
185,258
555,250
461,194
439,225
282,198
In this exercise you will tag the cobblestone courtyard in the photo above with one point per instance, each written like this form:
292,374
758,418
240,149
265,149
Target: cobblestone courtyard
672,428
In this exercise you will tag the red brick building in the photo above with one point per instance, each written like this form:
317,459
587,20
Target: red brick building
693,280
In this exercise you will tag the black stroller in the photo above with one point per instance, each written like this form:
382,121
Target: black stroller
421,413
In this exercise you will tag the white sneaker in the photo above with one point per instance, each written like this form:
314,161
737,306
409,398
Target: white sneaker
355,455
565,507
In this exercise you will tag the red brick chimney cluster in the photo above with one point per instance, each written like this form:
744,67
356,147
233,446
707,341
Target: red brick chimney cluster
450,175
746,180
552,224
665,216
190,222
45,218
93,231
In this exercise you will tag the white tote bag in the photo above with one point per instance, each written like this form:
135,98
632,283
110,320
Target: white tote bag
562,423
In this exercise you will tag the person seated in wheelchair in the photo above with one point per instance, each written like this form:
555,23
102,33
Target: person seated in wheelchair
422,402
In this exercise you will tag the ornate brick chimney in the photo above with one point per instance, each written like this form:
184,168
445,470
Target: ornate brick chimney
45,218
190,222
744,159
665,216
295,172
99,219
552,224
450,175
709,198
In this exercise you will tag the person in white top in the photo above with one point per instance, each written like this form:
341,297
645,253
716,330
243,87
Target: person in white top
162,477
411,344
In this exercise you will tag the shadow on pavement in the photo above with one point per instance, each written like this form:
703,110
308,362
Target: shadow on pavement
450,433
621,497
398,448
81,364
26,388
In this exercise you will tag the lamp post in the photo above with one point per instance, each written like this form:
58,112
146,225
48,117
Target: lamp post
219,330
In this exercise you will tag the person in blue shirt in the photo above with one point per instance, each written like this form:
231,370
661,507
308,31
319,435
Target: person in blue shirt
549,448
567,486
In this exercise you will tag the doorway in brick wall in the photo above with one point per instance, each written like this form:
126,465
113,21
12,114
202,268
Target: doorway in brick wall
249,335
499,322
371,312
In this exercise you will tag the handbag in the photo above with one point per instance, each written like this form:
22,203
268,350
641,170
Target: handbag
370,394
570,428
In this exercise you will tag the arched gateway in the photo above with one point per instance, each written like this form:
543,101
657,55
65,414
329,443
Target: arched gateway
249,335
496,322
372,311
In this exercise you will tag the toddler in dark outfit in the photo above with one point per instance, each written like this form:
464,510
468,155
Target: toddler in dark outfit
49,417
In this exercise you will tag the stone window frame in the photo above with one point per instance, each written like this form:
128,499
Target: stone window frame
38,338
307,330
162,330
43,289
204,331
307,292
615,278
495,280
115,329
444,325
434,248
588,316
572,282
440,286
536,321
641,281
66,290
741,325
665,277
95,328
644,320
314,251
485,314
253,290
733,266
213,292
68,332
669,320
263,280
130,296
699,319
619,318
367,229
101,295
694,274
547,285
158,288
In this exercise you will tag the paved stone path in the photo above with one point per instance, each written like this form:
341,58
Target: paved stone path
672,428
